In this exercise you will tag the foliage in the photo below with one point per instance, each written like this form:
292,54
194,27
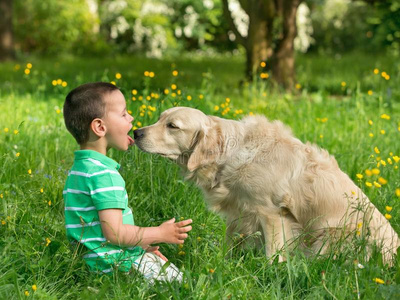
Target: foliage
332,106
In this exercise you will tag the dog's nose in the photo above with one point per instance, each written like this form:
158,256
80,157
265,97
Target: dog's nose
138,133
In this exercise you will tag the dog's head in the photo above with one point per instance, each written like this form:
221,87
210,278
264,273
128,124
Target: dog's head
182,134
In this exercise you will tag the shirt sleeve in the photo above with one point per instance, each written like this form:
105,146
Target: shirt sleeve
108,191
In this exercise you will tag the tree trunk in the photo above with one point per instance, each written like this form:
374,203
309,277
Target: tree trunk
259,41
6,30
263,16
283,67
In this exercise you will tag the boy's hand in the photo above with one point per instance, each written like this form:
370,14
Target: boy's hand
175,233
154,249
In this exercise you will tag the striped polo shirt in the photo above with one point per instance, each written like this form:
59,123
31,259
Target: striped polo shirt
93,184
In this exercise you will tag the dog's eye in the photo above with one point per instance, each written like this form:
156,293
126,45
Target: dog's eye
172,125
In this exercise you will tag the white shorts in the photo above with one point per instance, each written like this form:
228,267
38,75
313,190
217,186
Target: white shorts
151,266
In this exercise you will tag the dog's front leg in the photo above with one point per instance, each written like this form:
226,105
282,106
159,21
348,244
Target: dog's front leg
278,233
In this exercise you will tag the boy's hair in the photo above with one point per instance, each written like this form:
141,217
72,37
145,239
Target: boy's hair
84,104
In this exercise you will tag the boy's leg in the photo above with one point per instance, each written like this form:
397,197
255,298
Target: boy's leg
150,265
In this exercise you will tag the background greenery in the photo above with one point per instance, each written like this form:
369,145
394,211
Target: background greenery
167,53
332,105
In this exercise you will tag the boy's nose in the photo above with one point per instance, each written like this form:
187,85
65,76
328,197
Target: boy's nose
138,133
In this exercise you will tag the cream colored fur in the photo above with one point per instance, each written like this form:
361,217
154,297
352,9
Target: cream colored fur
262,178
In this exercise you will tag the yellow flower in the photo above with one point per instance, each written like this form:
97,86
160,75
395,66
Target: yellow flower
359,225
398,192
216,107
175,73
58,111
321,136
118,75
389,161
201,96
41,190
377,184
370,122
34,288
388,208
59,81
134,92
133,98
18,154
1,196
113,82
343,83
227,100
359,176
148,98
189,98
26,293
387,216
139,124
264,75
181,253
383,74
387,77
6,130
179,92
29,171
396,158
382,180
49,203
378,280
383,162
263,64
385,116
54,82
29,65
370,92
298,86
173,86
198,239
166,91
383,131
64,84
146,73
151,74
368,172
368,184
211,271
48,241
16,131
3,222
375,171
376,71
377,150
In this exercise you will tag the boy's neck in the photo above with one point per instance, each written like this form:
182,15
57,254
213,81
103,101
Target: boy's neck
94,146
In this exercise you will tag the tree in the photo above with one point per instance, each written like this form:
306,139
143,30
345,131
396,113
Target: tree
6,30
270,36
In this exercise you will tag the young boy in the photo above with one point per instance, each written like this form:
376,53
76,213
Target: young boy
96,202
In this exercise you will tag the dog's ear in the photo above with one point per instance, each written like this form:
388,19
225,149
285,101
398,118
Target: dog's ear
208,146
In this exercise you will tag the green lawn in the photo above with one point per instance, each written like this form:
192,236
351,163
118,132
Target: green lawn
332,107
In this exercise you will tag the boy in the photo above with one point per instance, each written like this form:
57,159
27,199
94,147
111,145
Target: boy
96,211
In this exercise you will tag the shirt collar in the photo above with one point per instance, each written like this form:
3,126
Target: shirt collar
105,160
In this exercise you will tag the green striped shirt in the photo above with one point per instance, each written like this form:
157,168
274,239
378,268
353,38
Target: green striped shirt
93,184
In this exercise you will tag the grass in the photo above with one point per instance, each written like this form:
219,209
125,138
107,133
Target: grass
325,111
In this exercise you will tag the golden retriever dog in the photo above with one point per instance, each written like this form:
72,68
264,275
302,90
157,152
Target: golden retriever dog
261,178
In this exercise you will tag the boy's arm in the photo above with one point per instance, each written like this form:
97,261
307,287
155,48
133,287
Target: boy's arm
131,235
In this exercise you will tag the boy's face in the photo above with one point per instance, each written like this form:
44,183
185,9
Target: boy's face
118,121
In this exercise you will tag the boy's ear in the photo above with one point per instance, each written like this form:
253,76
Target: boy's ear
98,127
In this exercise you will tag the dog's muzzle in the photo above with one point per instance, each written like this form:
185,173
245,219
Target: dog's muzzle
138,134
